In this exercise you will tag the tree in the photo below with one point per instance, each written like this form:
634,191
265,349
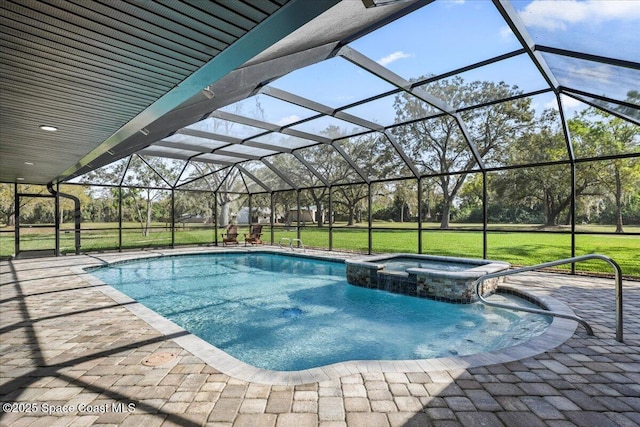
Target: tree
470,209
438,145
189,203
147,174
633,97
395,201
106,202
330,165
291,167
405,196
597,133
141,182
67,206
549,187
7,204
32,210
350,197
375,158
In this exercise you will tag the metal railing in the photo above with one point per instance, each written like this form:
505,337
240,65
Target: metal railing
282,239
618,278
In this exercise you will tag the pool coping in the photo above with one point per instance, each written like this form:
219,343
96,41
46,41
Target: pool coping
558,332
481,265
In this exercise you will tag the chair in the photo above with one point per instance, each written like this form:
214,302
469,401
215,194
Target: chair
231,236
254,236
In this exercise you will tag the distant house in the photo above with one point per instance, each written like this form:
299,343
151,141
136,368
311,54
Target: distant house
263,216
306,215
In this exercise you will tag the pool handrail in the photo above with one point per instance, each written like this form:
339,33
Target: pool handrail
282,239
618,278
300,242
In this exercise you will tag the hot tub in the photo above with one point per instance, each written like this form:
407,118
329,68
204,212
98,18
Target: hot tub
427,276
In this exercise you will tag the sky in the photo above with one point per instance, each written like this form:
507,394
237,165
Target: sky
449,34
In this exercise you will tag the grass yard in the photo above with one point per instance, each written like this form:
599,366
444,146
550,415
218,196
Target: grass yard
516,247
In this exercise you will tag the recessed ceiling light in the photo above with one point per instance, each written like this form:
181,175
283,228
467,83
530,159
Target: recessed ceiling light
48,128
28,163
20,179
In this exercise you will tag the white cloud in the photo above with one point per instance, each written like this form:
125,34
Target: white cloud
555,15
601,73
453,3
288,119
393,57
572,106
568,103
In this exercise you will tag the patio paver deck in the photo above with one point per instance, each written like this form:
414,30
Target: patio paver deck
72,355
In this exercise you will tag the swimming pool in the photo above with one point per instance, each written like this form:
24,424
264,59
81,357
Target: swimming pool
291,313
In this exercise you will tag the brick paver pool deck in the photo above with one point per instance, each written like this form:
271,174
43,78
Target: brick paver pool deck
71,354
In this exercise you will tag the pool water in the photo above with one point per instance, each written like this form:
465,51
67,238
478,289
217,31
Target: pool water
402,263
291,313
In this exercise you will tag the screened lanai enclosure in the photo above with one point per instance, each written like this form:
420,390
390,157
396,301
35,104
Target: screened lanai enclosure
505,130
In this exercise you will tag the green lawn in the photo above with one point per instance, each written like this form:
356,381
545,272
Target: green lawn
518,248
